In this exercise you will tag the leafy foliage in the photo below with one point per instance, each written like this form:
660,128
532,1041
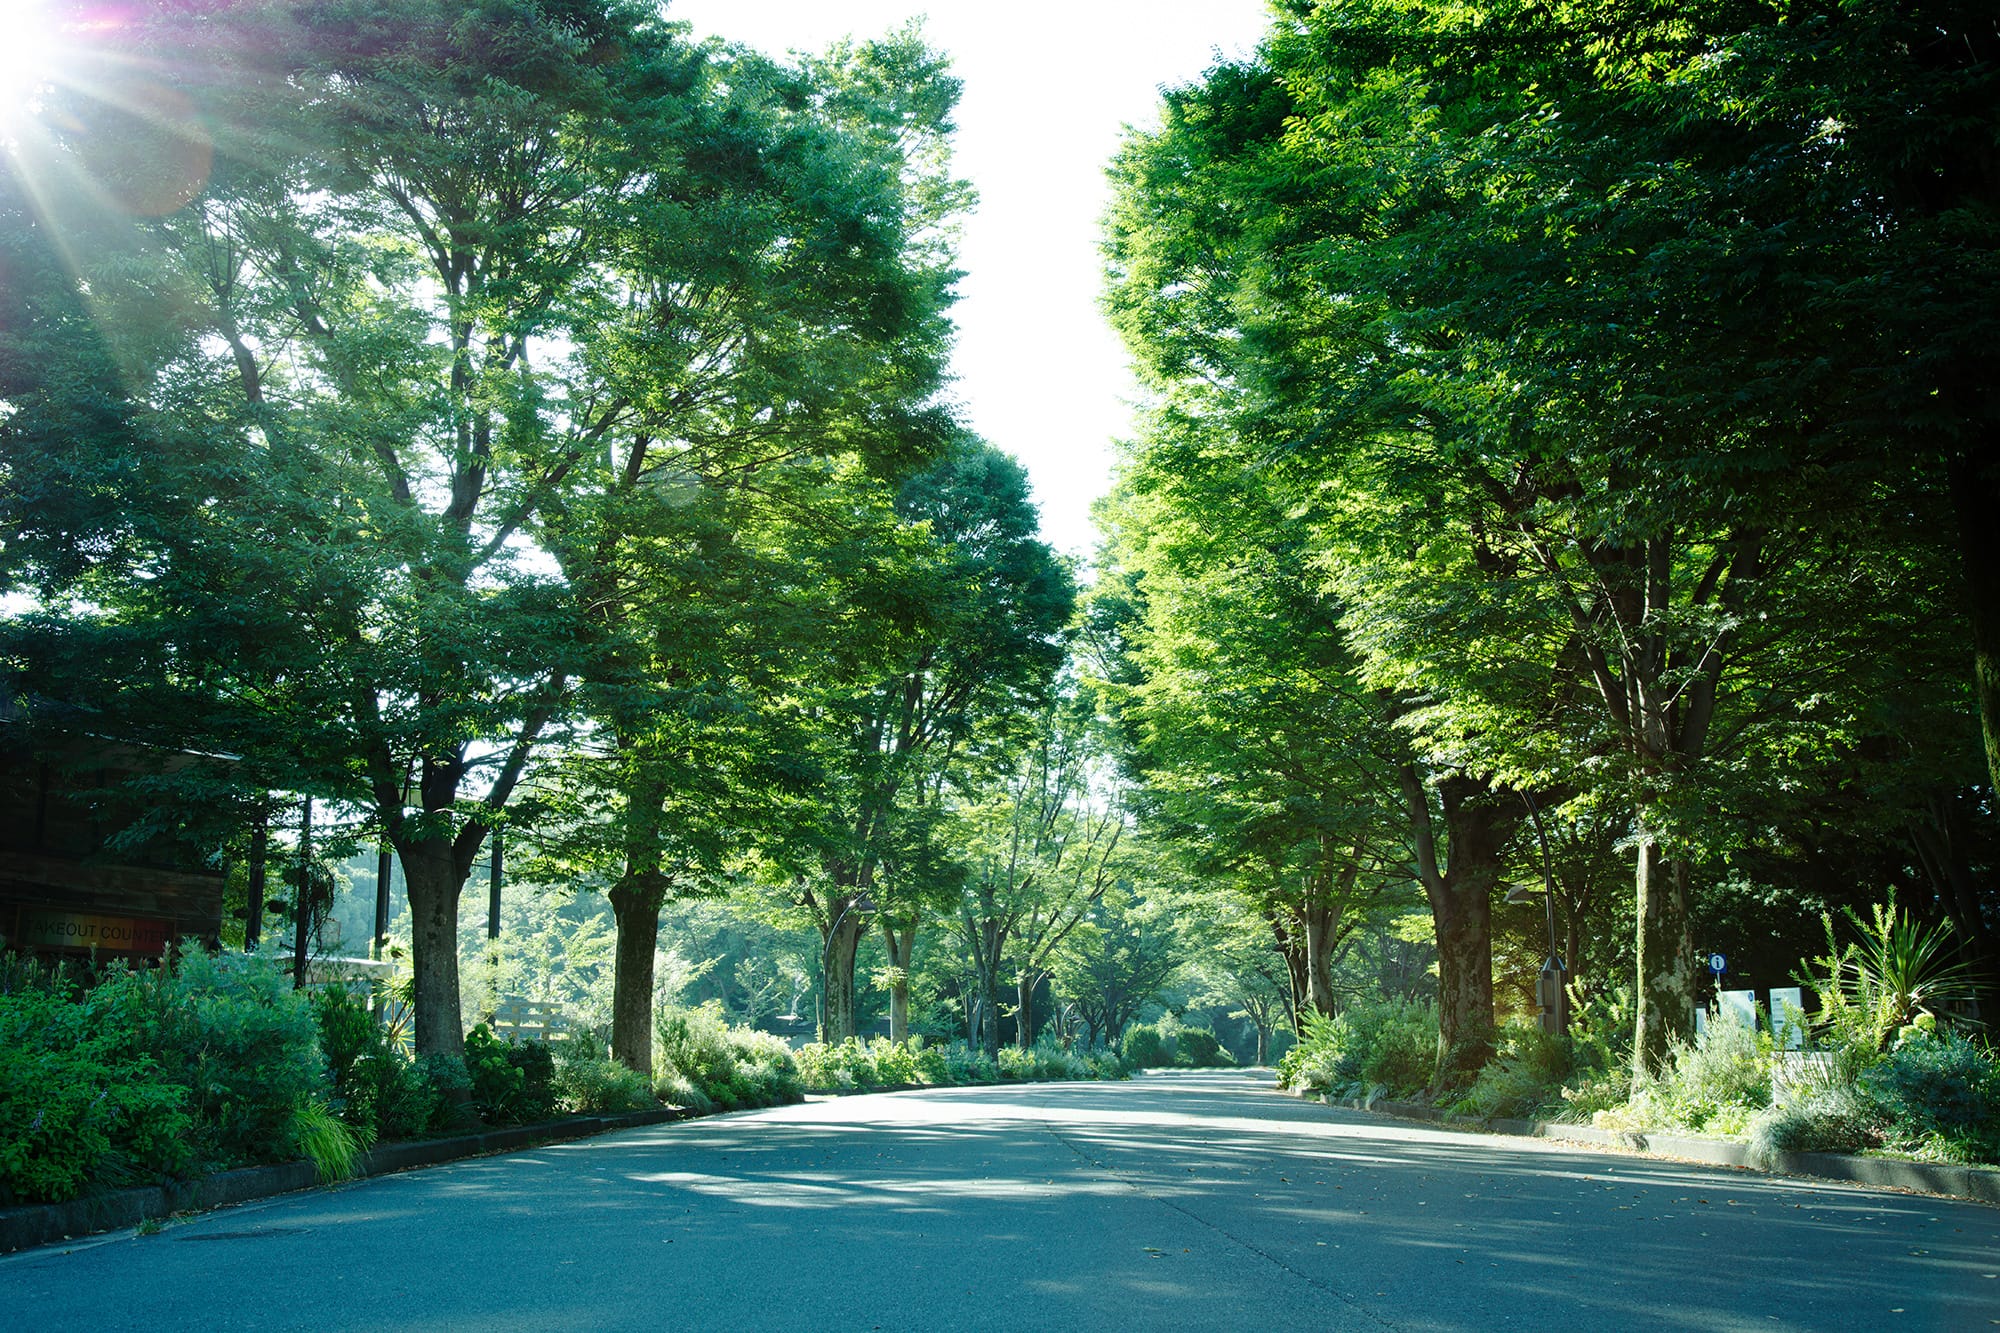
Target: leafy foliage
703,1062
513,1082
377,1088
1382,1046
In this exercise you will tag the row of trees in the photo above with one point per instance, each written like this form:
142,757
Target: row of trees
1571,435
515,415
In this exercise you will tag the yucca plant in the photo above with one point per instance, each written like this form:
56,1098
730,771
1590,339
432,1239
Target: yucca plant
1897,973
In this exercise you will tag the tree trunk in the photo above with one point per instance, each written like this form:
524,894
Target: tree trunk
1460,890
1024,1016
1975,498
432,879
1319,923
637,911
1292,949
901,946
1666,960
1940,842
840,942
1263,1043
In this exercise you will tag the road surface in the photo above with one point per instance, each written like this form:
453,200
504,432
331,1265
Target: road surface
1196,1201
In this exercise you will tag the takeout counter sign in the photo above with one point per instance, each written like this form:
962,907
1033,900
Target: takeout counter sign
47,929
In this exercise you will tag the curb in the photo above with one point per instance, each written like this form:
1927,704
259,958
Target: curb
1975,1184
30,1225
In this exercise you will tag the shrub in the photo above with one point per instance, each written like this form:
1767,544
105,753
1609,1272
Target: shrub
1389,1044
1896,972
513,1083
1199,1048
376,1087
592,1085
766,1063
895,1063
968,1066
1524,1077
1940,1091
80,1107
704,1064
1820,1119
1715,1086
932,1067
448,1083
1146,1047
1402,1046
234,1032
842,1068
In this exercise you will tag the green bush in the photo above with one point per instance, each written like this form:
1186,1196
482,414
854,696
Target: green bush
842,1068
1941,1093
80,1106
1389,1045
1199,1048
881,1063
766,1063
448,1082
895,1063
1146,1047
513,1083
377,1089
1820,1119
233,1031
1717,1086
589,1084
1046,1062
704,1064
1525,1076
967,1066
1402,1041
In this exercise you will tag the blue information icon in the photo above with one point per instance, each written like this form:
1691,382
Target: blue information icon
1717,964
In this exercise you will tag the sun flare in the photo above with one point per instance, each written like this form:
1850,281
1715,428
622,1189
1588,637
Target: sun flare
29,54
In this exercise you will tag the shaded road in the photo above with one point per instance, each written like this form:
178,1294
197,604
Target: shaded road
1174,1201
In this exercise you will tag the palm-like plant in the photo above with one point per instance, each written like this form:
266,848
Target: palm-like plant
1898,972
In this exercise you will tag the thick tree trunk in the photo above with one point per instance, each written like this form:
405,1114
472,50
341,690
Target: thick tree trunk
1317,924
1263,1044
989,1011
636,909
840,942
433,881
1460,888
901,946
1291,948
1024,1014
1666,960
1573,952
1940,842
1975,498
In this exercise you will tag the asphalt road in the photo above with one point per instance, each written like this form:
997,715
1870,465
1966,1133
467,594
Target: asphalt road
1174,1201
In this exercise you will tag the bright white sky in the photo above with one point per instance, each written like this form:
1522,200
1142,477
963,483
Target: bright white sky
1048,88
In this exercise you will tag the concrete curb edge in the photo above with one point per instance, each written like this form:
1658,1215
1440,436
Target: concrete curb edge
1977,1184
30,1225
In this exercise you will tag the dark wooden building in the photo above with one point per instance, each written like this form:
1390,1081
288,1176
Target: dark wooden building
72,881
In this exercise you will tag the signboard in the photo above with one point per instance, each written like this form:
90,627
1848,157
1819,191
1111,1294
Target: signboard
1738,1006
1787,1014
1717,964
52,928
